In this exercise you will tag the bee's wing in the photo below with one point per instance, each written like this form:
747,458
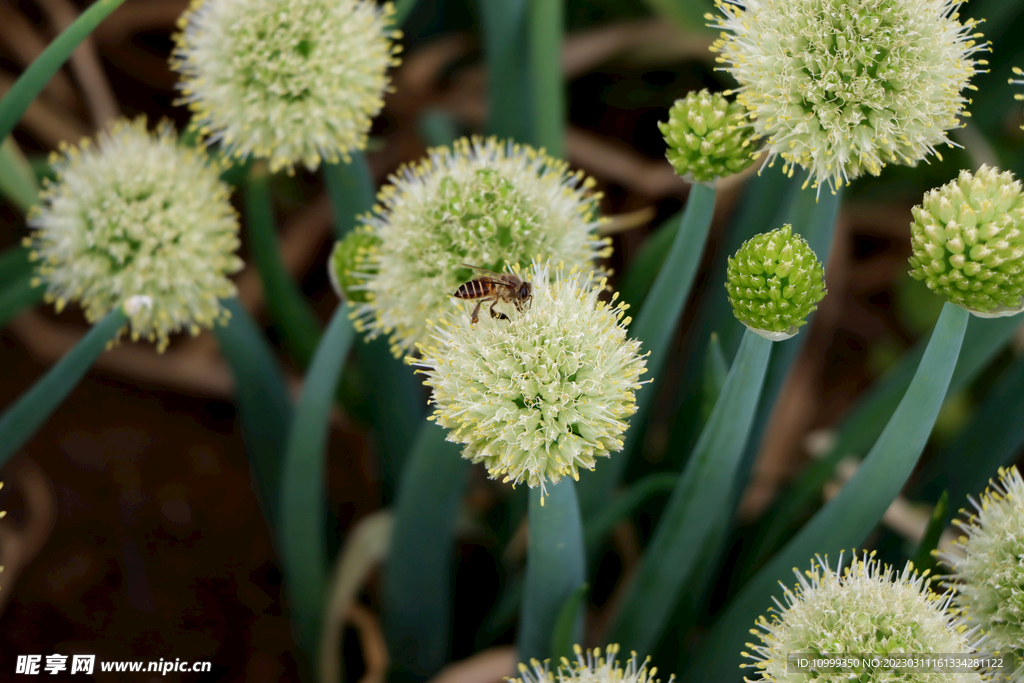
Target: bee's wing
484,270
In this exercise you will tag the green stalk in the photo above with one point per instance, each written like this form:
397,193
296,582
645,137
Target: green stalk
936,523
545,36
291,313
18,183
865,422
716,370
504,41
303,488
350,188
418,575
701,504
264,408
555,568
846,520
655,326
28,413
38,74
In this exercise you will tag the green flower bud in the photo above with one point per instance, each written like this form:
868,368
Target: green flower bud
968,243
352,263
774,282
707,137
988,572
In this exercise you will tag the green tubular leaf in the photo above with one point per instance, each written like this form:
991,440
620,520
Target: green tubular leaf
701,504
565,633
292,314
555,568
418,575
17,181
38,74
546,20
27,414
263,405
350,188
847,519
864,423
303,501
654,326
936,523
643,268
504,42
992,439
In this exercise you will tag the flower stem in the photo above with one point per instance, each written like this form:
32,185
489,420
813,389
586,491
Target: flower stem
290,311
701,504
17,181
23,417
555,567
504,25
655,326
263,405
417,603
545,19
38,74
847,519
303,489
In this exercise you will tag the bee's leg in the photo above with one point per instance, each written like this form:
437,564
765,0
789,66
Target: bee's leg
474,319
497,314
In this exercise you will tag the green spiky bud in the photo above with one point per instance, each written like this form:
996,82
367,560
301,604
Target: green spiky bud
351,263
774,282
968,242
707,137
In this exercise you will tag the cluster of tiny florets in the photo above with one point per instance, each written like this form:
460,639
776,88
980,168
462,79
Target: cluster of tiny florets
352,263
590,667
968,242
482,203
707,137
840,87
290,81
774,282
865,609
140,219
540,395
988,573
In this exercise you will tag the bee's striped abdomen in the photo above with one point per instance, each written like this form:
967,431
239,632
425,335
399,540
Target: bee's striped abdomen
475,289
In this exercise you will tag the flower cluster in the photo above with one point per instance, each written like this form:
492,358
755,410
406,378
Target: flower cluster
989,576
774,282
483,203
540,396
291,81
861,610
138,219
707,137
591,667
840,87
968,242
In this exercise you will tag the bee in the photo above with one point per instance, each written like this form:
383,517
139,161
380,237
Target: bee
495,287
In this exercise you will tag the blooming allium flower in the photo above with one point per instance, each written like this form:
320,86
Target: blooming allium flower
591,668
989,577
482,203
840,87
542,394
863,611
968,242
774,282
286,80
351,264
139,220
707,137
